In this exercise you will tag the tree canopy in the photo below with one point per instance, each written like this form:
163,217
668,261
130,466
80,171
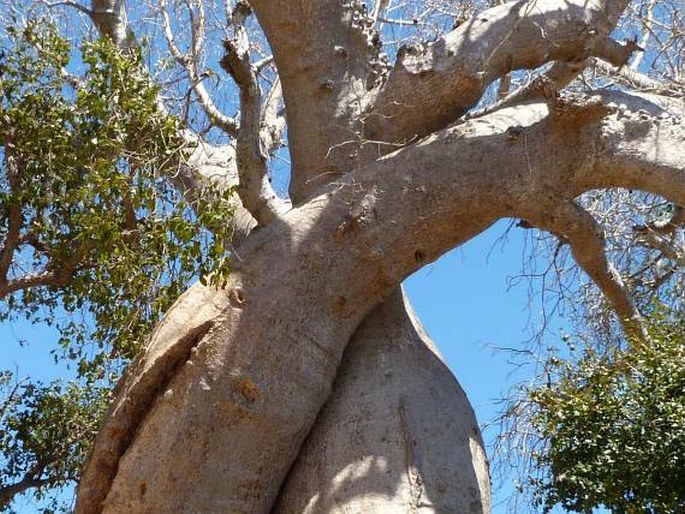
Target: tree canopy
607,427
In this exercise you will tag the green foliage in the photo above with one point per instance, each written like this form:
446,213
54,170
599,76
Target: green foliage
94,239
613,427
84,168
46,436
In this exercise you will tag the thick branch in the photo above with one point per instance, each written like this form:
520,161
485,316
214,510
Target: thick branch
629,77
647,19
55,272
645,137
326,59
7,493
48,278
558,76
10,243
109,16
431,87
15,217
273,121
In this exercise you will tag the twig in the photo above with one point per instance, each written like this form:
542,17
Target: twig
676,220
189,63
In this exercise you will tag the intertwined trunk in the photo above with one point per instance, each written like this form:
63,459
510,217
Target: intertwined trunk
306,385
396,435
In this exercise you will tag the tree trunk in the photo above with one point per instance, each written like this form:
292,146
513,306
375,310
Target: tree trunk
396,435
213,415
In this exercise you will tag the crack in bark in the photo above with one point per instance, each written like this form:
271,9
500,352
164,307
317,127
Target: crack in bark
137,397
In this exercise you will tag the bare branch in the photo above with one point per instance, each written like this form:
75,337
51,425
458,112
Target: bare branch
109,16
432,86
197,29
586,238
648,24
273,121
189,63
676,220
629,77
207,167
503,87
665,248
47,278
15,217
8,492
70,3
326,77
254,188
263,63
558,76
378,9
615,53
207,171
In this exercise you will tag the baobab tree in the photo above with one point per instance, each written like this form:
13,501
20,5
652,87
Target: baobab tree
302,382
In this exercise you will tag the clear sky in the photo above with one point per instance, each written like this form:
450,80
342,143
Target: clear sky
463,300
466,304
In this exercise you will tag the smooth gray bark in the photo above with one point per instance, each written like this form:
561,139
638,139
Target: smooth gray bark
233,415
396,435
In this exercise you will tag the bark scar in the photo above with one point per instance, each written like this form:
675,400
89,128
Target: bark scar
412,458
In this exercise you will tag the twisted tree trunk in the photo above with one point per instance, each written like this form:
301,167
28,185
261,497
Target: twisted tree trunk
305,385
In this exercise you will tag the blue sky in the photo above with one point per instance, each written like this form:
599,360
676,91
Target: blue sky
463,300
466,304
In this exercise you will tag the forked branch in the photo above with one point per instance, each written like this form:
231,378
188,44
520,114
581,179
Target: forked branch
586,239
189,62
432,86
413,205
